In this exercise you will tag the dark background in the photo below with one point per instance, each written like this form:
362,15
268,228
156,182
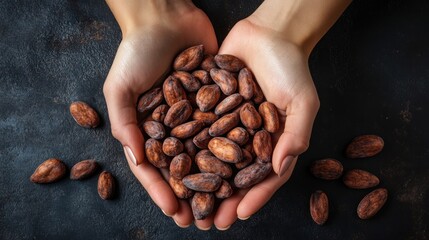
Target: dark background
372,75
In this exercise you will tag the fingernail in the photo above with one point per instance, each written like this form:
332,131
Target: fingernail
285,164
166,213
244,218
204,229
130,155
180,225
223,229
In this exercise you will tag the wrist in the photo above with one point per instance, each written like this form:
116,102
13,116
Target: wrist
301,22
133,14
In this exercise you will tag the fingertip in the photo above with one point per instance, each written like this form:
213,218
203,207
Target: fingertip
183,217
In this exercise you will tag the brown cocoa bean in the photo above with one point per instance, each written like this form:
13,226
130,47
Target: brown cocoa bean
49,171
208,62
207,117
224,124
172,146
84,115
203,76
364,146
190,147
245,83
372,203
106,185
224,191
207,97
225,80
360,179
202,205
154,129
258,95
319,207
228,104
239,135
173,91
247,160
250,117
252,174
189,82
155,155
150,100
180,166
208,163
189,59
327,169
229,62
262,146
178,113
83,169
270,117
202,182
225,149
188,129
159,113
179,188
201,140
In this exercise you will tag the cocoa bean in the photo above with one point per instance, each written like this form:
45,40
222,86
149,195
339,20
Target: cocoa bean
208,62
203,76
106,185
208,163
229,62
51,170
188,129
245,83
207,97
173,91
189,59
225,80
364,146
224,124
179,188
189,82
150,100
207,117
225,149
228,104
250,117
319,207
270,117
83,169
327,169
160,112
262,146
84,115
201,140
202,205
180,166
202,182
252,174
154,129
239,135
155,155
178,113
172,146
224,191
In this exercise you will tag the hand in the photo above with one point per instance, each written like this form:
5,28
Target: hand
153,33
281,69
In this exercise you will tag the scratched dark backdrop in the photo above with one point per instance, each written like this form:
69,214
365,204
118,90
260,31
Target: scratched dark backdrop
372,75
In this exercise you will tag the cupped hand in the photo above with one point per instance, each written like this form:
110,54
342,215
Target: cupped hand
151,39
281,69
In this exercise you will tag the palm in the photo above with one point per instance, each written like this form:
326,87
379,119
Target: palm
281,70
143,57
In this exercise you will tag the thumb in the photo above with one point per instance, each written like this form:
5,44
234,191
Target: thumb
295,138
121,105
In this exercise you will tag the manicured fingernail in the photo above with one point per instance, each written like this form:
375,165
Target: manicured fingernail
204,229
285,164
130,155
165,213
180,225
223,229
244,218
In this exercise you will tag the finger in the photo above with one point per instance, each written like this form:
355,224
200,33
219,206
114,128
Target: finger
183,217
205,224
122,114
295,138
226,213
156,186
259,194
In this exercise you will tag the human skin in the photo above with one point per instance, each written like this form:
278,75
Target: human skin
279,37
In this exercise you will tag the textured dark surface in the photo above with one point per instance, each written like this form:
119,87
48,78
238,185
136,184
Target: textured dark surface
372,75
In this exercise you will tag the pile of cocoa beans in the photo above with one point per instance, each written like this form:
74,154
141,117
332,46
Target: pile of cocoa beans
210,126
